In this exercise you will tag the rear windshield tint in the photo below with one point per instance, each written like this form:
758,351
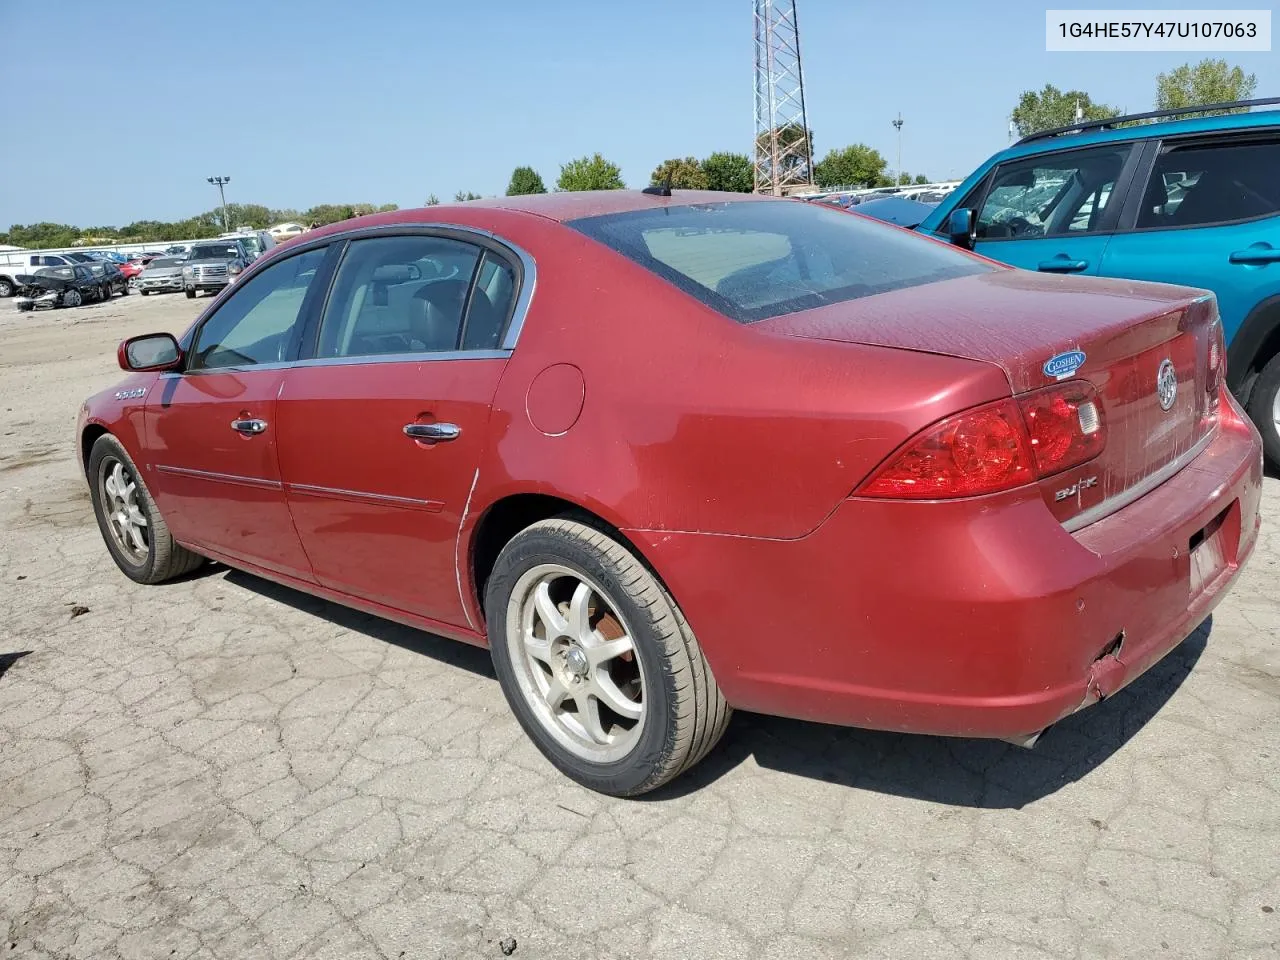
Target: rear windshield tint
755,260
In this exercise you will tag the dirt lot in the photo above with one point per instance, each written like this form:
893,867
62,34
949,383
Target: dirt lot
223,768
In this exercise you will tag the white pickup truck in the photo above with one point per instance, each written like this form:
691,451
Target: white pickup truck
23,263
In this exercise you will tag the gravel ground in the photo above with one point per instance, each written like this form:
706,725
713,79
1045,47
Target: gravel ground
220,767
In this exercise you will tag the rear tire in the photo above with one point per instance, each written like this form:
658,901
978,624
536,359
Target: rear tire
1264,409
6,287
152,556
662,675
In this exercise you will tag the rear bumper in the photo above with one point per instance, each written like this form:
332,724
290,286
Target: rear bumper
978,618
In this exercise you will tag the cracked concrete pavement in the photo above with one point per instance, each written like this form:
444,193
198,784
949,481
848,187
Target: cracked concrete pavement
223,768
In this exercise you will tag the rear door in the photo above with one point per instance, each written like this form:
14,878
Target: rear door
1054,212
212,429
382,430
1208,216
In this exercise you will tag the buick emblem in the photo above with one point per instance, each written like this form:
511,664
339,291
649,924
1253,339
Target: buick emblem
1167,384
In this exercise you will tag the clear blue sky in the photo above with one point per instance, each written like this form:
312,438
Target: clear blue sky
120,113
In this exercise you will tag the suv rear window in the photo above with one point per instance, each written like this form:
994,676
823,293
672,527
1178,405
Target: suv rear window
755,260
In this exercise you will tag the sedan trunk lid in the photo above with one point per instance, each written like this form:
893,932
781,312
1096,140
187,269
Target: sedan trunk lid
1145,348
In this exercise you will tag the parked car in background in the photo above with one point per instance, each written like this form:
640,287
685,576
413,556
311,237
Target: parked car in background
1188,201
256,242
885,482
286,231
161,275
212,265
177,249
130,269
897,210
69,285
110,276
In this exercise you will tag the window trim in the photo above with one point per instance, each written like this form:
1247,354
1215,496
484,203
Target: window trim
1156,148
323,278
1110,219
517,259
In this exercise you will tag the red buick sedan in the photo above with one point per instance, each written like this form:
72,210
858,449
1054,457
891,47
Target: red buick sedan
671,455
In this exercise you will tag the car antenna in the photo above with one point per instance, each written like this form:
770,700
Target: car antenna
660,191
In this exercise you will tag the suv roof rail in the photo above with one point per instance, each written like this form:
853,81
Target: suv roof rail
1153,115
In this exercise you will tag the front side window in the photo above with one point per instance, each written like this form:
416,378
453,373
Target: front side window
754,260
1199,185
258,323
415,294
1056,195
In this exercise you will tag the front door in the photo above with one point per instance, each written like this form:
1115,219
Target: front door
211,430
1053,213
382,431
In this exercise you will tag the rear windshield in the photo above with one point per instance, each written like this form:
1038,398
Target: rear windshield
755,260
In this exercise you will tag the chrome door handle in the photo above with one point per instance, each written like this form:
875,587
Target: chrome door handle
249,427
432,432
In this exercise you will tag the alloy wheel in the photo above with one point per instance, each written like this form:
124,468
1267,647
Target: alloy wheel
125,518
576,663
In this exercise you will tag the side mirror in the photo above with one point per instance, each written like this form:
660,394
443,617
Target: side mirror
961,227
150,352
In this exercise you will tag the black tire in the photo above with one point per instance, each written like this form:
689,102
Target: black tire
26,307
191,294
1264,408
144,292
164,559
6,287
124,289
685,713
72,298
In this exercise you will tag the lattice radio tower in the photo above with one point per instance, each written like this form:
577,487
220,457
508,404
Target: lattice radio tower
783,154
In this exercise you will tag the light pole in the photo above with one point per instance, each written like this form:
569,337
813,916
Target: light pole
897,125
221,182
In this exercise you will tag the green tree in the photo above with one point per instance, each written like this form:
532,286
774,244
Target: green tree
854,166
432,201
686,174
463,196
1209,81
729,171
249,215
1051,107
525,180
590,173
921,178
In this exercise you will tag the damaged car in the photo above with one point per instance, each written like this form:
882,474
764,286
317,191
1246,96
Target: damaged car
68,286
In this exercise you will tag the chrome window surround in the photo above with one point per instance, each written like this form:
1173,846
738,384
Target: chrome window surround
528,284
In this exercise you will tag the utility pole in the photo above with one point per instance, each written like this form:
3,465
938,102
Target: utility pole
221,182
897,125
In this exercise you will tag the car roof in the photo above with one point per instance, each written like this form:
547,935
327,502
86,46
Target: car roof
1144,131
570,205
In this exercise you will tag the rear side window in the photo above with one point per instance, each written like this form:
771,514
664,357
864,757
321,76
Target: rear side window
1199,185
755,260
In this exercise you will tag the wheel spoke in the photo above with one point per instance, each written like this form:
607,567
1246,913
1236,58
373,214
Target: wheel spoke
602,652
117,474
603,687
589,716
555,692
580,613
537,647
546,608
110,486
135,536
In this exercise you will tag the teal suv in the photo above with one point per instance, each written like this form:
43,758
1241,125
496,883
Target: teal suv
1192,201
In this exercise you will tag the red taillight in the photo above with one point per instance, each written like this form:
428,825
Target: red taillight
1065,423
1217,373
996,447
975,452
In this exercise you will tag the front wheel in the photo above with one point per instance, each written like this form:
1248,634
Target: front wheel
145,292
72,298
597,662
6,287
191,293
135,533
1264,408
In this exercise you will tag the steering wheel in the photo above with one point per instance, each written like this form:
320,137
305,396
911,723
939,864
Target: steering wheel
1019,226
